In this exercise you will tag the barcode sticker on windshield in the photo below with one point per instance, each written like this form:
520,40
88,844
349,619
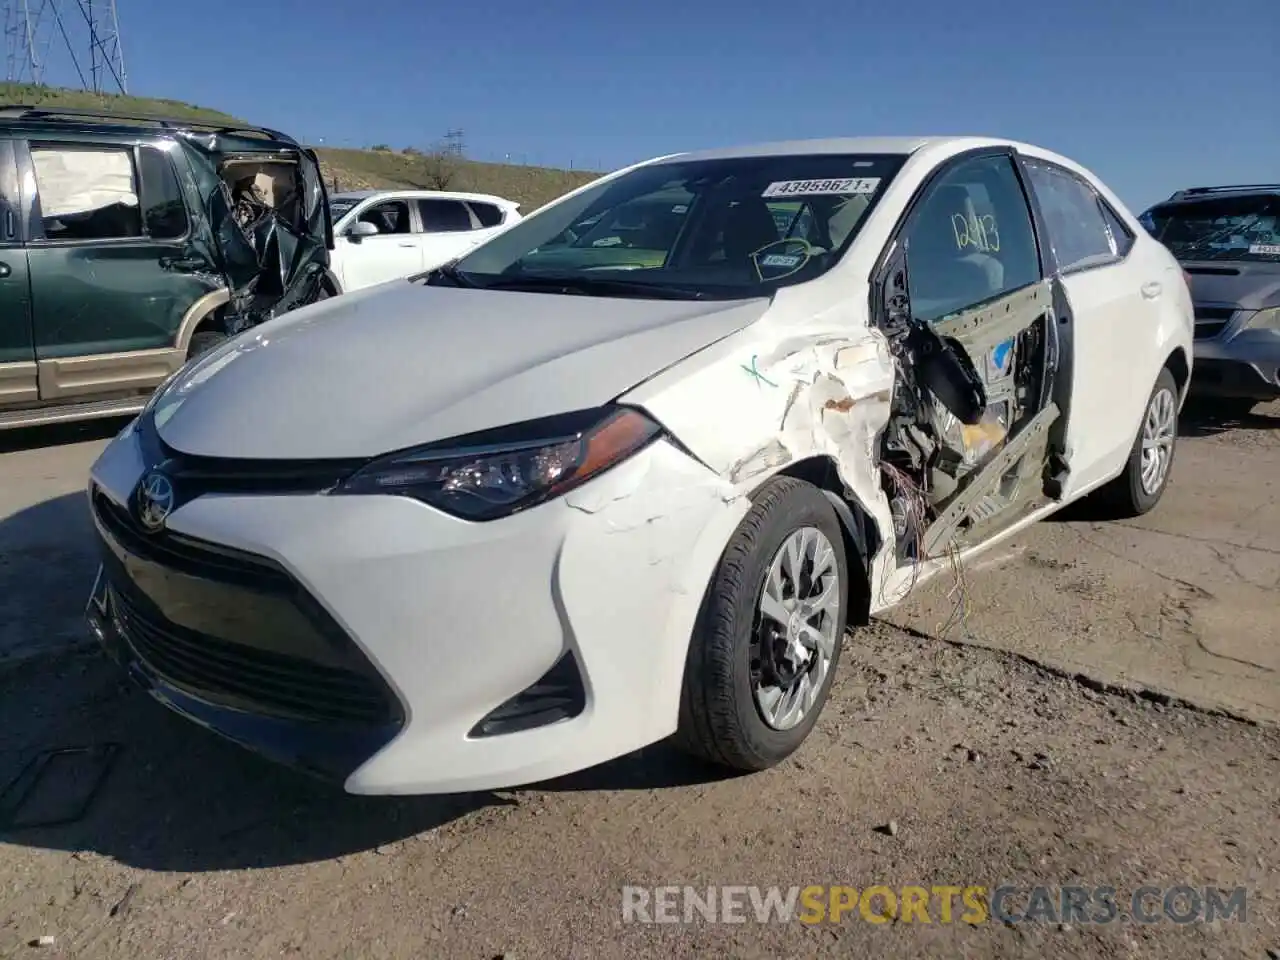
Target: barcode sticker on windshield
813,188
1265,249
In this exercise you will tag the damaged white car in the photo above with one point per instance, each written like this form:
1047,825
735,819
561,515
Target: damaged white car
565,498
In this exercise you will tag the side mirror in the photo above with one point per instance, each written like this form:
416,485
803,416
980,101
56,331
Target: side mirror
361,229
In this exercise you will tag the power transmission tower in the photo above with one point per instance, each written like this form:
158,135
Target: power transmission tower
453,143
89,30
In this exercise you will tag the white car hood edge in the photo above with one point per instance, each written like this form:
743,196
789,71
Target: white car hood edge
403,364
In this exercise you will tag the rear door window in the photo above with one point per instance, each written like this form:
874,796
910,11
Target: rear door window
1078,230
444,216
1221,228
86,192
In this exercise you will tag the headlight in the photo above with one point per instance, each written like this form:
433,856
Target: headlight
496,473
1268,319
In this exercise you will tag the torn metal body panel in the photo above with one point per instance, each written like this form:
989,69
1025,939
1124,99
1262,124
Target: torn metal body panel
268,213
824,383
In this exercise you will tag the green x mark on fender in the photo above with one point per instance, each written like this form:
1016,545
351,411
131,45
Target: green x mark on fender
755,372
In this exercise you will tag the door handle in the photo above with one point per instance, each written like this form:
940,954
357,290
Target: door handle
4,270
1152,290
407,245
181,264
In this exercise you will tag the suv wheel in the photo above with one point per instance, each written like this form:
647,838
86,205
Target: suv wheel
762,659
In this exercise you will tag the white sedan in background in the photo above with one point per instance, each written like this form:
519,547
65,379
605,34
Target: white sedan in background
382,235
630,468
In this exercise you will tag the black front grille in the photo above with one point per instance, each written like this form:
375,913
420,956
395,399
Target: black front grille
193,476
1211,321
256,680
185,555
233,628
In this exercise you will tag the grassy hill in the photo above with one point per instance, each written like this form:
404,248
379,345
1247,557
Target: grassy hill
345,169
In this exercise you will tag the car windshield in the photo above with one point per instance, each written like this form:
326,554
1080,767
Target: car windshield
1224,228
722,229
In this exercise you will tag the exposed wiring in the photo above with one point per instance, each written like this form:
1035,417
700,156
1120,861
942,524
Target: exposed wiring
915,517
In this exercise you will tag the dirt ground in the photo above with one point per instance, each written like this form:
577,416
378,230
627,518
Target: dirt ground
1001,746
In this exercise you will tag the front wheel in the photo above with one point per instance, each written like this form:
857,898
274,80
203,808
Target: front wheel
763,657
1146,473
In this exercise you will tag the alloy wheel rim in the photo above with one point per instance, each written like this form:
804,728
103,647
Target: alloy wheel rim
1159,429
794,637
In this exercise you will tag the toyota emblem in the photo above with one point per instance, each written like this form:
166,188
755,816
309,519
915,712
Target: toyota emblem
155,501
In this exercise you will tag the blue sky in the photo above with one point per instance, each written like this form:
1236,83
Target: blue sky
1150,94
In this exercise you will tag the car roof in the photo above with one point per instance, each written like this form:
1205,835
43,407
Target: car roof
939,146
423,194
218,136
1194,194
783,148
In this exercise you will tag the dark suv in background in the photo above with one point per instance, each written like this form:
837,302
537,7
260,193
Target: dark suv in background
129,244
1228,241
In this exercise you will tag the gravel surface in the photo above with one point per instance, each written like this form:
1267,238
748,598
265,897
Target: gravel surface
1005,753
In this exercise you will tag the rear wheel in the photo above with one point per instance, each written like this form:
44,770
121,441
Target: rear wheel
1146,473
762,660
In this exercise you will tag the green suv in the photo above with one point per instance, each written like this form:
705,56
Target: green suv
130,244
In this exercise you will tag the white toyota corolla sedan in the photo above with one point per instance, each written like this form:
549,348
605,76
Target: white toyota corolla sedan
631,468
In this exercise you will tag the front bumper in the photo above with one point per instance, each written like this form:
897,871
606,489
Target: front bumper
455,620
1238,363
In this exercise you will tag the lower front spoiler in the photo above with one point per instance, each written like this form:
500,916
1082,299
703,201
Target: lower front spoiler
1233,378
329,752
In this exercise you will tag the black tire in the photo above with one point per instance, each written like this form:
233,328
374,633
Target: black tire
719,719
1125,497
202,342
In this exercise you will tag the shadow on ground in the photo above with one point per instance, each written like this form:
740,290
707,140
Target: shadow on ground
178,798
1204,418
47,560
29,438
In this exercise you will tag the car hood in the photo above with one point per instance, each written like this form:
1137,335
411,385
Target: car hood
402,364
1241,283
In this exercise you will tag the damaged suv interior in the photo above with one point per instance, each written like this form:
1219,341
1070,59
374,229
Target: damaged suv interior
134,243
971,446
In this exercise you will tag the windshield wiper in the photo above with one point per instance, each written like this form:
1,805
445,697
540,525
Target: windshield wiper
593,286
449,272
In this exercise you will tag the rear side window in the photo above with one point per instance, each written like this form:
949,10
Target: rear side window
971,239
1078,231
487,214
164,215
1121,236
444,216
1221,228
87,193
